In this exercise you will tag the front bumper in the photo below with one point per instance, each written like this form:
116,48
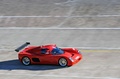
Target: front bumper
74,60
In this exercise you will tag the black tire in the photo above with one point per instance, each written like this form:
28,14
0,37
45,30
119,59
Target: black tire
63,62
26,61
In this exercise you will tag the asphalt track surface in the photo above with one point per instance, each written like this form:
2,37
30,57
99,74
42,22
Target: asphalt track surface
92,26
79,38
100,63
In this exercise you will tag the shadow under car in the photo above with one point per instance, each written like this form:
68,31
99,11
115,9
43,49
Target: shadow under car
16,65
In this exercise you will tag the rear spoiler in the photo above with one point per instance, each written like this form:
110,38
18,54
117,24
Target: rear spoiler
22,46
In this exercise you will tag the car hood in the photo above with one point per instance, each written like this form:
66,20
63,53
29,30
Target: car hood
68,54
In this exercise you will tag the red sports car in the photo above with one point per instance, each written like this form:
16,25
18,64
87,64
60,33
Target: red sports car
48,54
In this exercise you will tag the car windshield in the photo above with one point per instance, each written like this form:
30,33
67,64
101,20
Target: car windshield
57,51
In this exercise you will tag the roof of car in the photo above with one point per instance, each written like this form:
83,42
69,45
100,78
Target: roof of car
50,46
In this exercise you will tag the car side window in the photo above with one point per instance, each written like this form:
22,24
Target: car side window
44,51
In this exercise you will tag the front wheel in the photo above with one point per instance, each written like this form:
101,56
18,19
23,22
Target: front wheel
62,62
26,61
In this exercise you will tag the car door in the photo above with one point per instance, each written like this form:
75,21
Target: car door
45,57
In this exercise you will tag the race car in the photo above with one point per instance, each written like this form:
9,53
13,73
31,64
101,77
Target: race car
48,54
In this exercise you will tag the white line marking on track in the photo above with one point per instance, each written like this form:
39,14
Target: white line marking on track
60,76
37,28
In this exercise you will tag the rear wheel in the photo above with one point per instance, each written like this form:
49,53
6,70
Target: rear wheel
26,61
62,62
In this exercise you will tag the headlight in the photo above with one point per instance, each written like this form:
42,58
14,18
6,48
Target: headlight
71,59
77,57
